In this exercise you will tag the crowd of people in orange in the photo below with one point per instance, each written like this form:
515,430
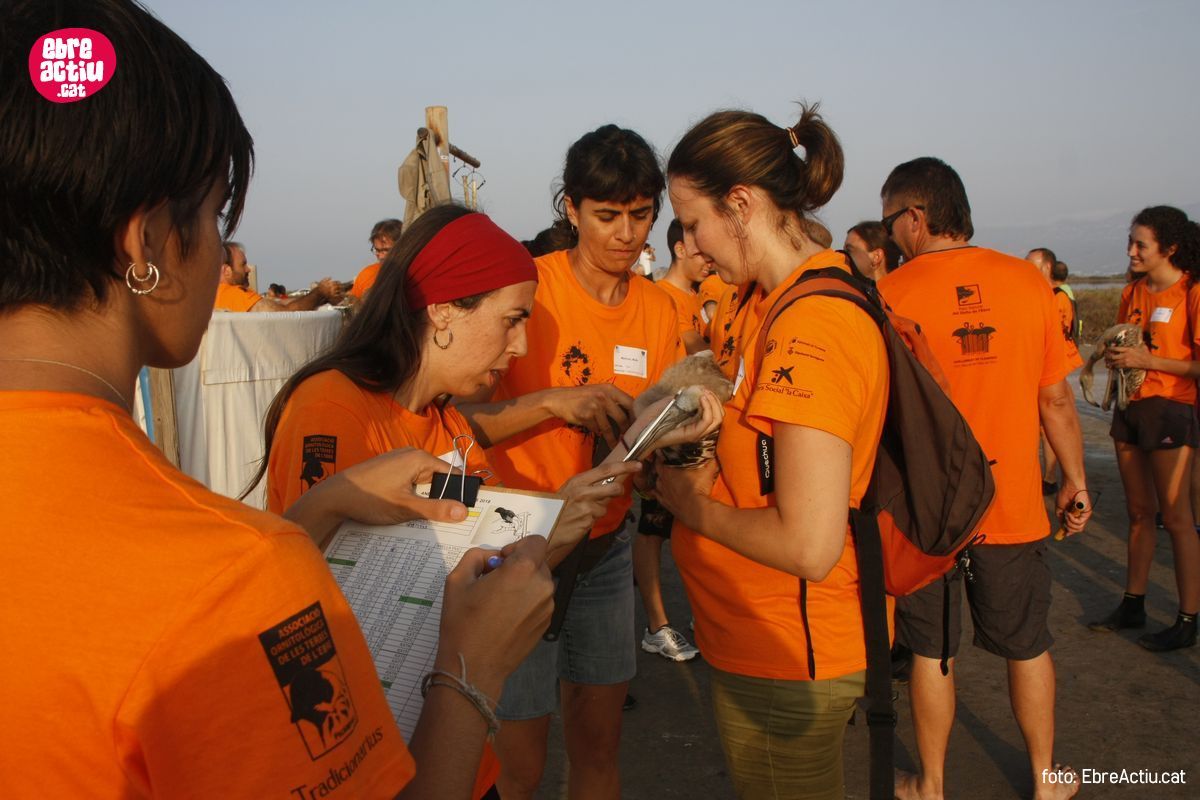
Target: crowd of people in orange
150,639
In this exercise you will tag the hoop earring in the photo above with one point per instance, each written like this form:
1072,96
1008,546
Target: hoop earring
449,339
131,277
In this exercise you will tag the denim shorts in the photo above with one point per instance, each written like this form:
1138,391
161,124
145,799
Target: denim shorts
596,645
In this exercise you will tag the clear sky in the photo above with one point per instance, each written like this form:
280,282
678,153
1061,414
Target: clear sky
1050,111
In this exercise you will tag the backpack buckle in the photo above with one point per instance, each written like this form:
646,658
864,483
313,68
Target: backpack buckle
964,565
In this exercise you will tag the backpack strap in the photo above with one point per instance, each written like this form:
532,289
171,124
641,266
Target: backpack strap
881,713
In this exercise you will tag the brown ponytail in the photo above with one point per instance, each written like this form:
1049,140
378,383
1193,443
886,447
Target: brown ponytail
730,148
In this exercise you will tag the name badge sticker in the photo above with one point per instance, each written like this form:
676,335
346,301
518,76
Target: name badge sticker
629,361
1161,314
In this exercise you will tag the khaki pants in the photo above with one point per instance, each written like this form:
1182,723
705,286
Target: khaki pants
783,739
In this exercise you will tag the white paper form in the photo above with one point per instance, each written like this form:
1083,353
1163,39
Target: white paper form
393,577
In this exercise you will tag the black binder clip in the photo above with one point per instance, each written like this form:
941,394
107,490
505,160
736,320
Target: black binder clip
464,485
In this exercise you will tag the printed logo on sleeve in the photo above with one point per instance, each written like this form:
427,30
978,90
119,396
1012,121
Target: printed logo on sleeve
71,64
302,655
318,459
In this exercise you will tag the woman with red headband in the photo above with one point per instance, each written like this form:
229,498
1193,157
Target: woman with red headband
445,318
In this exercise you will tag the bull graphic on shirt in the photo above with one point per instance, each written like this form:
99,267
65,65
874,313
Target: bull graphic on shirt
974,339
317,459
304,660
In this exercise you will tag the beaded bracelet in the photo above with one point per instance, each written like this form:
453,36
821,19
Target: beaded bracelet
480,700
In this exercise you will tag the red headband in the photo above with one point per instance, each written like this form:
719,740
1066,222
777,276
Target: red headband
471,255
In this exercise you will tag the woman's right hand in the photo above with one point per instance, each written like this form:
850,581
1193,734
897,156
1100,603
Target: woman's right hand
494,618
587,496
596,407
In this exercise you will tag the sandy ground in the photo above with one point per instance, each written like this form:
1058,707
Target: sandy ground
1119,706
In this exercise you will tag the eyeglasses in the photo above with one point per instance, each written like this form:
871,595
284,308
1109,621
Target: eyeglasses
380,251
890,219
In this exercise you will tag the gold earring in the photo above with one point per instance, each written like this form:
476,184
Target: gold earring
449,339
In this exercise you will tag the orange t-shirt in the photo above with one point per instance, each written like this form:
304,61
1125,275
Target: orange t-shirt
1170,316
825,368
1066,318
365,280
688,306
235,298
166,641
330,424
711,289
727,327
991,322
574,339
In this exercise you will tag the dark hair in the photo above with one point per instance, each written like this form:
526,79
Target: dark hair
164,129
613,164
674,236
227,251
728,148
872,232
1172,228
391,228
559,236
380,349
934,185
1058,272
1046,254
278,289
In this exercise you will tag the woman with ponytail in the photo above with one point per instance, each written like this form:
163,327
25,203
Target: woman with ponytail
770,569
1156,435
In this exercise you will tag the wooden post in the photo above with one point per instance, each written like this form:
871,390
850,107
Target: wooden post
437,121
162,411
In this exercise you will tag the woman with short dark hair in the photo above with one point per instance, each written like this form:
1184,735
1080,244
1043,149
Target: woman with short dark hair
599,335
167,632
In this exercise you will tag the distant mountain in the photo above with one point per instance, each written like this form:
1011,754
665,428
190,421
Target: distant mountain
1088,246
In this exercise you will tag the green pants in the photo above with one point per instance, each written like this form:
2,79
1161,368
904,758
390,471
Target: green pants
783,739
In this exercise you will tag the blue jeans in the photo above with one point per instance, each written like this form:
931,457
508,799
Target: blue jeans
595,646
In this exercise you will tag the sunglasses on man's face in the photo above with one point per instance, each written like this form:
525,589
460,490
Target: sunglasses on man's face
890,219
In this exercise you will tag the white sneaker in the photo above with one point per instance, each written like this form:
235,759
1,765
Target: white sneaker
669,643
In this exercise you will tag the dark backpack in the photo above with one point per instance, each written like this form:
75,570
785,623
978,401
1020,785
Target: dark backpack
930,487
1074,332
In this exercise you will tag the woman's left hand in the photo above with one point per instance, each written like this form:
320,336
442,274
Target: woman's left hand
683,491
378,491
708,420
1128,357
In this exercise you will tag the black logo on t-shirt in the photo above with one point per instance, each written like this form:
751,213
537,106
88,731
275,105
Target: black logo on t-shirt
974,339
302,656
782,374
969,295
575,364
318,459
